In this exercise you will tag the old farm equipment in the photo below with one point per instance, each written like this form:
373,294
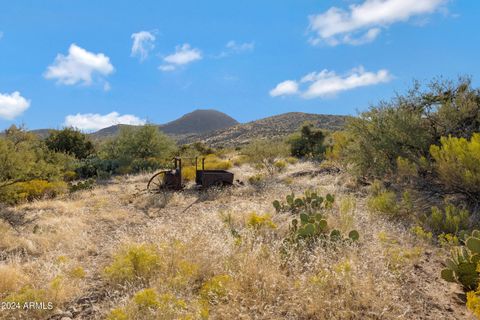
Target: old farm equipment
208,178
172,179
167,179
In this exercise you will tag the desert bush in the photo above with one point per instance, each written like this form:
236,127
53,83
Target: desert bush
95,167
451,220
70,141
215,289
280,165
88,184
291,160
337,151
188,173
473,302
147,304
133,263
457,163
138,149
263,153
32,190
308,143
387,203
213,162
193,150
257,180
408,125
257,221
421,233
23,157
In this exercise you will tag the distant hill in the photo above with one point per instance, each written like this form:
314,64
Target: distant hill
190,124
268,128
199,121
217,129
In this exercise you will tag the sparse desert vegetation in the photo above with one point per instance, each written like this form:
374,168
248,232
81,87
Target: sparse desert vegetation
377,221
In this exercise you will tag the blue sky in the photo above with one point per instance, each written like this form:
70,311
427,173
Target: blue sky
75,62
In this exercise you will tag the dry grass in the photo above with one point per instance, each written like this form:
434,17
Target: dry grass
212,261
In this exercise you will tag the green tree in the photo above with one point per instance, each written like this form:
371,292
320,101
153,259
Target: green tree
139,147
70,141
406,126
23,157
308,143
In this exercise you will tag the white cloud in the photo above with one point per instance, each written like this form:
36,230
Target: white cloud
95,121
183,55
143,43
284,88
328,83
12,105
240,47
79,66
233,47
362,23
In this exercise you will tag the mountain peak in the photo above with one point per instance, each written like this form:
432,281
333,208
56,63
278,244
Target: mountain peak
199,121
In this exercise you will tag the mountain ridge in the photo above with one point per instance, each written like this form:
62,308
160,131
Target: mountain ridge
218,129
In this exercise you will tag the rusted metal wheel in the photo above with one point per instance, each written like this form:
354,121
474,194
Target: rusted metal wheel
157,181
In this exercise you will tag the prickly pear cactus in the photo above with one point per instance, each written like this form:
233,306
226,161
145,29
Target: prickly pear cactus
462,266
310,222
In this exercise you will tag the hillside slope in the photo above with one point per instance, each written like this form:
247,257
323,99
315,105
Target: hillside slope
191,124
199,121
268,128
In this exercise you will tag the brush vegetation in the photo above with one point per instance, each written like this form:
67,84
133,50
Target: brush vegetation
378,221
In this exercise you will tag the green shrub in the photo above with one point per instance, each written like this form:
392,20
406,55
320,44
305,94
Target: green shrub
70,141
451,220
408,125
23,158
257,180
263,154
82,185
257,221
337,151
387,203
457,163
308,143
215,289
384,203
135,262
138,148
147,304
96,167
280,165
32,190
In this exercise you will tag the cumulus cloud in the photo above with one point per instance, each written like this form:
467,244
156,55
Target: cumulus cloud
95,121
12,105
143,43
362,23
79,67
288,87
183,55
328,83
